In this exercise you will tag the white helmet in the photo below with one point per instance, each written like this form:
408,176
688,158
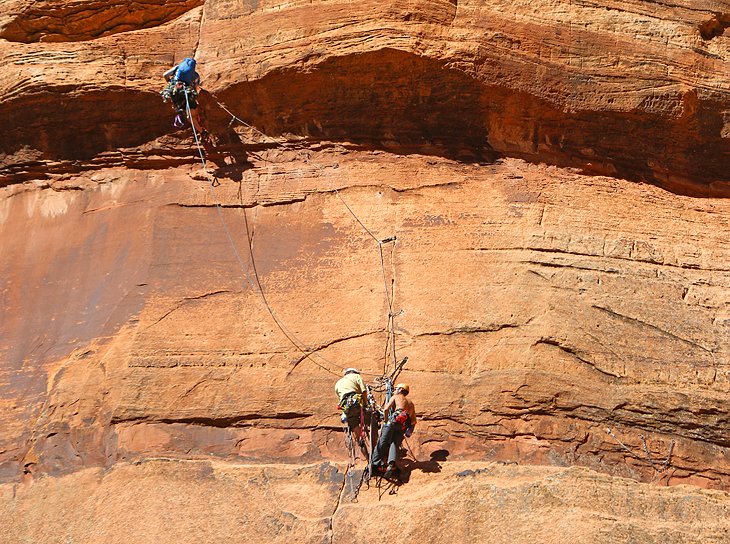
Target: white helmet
350,371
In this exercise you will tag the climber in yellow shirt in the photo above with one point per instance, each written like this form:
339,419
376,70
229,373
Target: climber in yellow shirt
352,394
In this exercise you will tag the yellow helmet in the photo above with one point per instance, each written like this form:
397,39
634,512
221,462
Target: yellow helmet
403,387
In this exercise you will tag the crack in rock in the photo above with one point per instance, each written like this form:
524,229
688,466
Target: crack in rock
642,323
184,301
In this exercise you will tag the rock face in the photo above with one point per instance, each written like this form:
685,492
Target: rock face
465,502
555,309
632,89
80,20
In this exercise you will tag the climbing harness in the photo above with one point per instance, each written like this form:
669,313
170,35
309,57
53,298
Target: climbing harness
367,474
400,417
184,97
364,403
348,401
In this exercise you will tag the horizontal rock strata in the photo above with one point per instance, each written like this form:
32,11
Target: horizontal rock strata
532,194
461,502
80,20
549,317
616,88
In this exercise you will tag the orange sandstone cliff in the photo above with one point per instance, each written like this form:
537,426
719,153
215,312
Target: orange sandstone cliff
556,176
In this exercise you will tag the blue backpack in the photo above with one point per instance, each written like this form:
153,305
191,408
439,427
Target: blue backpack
186,71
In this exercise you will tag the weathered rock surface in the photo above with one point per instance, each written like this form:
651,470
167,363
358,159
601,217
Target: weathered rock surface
204,501
77,20
632,89
550,317
540,308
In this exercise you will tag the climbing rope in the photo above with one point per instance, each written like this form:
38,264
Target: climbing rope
234,117
350,444
383,381
408,445
389,295
648,458
308,352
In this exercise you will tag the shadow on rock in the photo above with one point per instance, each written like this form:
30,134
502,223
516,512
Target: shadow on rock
431,466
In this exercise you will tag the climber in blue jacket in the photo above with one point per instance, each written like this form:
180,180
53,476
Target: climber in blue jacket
183,84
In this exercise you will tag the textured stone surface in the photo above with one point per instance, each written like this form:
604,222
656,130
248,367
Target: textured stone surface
633,89
465,502
540,308
551,316
166,501
77,20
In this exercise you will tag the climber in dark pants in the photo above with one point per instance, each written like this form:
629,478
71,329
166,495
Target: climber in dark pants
400,424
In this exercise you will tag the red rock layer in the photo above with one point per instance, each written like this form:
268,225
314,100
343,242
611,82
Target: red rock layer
550,317
79,20
634,90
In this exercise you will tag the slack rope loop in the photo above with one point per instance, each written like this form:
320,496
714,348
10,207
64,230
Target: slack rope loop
256,284
383,380
309,353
